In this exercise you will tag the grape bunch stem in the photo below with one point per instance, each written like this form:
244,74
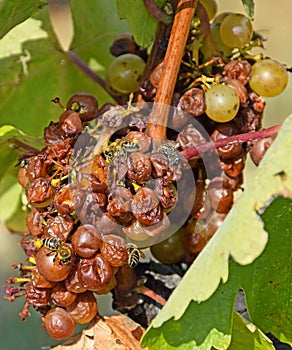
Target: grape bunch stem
156,127
240,138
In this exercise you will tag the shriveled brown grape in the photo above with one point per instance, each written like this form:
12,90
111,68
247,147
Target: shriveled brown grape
59,324
84,308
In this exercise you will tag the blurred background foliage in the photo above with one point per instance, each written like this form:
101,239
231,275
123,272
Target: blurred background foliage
272,19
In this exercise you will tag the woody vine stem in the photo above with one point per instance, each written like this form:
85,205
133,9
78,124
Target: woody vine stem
178,37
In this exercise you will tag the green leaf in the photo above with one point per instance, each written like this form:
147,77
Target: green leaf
13,142
12,211
142,25
243,225
16,222
7,130
8,202
249,7
199,328
245,335
14,12
267,282
93,39
46,72
267,293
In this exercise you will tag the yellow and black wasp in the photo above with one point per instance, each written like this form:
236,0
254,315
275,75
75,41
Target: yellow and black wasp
120,149
134,255
59,248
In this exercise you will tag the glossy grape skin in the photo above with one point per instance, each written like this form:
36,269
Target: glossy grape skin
84,308
222,103
217,41
84,104
59,323
268,78
171,250
50,267
125,72
236,30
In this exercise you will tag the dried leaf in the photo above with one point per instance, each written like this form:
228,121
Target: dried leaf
117,332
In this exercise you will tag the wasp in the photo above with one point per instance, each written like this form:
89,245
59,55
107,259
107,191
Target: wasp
170,153
120,149
134,255
57,247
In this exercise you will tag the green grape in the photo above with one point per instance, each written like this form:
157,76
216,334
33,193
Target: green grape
236,30
218,43
268,78
124,73
210,6
171,250
222,103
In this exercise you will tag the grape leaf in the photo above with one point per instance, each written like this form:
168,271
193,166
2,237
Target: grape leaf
246,335
14,12
27,97
94,36
202,325
11,44
17,221
13,192
12,215
267,293
249,7
47,72
12,143
142,24
267,282
241,225
8,186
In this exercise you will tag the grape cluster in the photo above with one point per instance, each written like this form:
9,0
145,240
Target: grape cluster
102,188
221,85
90,194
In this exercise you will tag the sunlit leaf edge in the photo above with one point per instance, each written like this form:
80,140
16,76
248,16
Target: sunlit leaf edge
22,11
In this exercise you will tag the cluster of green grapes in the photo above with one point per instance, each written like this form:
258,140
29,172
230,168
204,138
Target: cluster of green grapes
102,189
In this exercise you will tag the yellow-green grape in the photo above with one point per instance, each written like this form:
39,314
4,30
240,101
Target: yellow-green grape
125,72
211,7
222,103
218,43
268,78
236,30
